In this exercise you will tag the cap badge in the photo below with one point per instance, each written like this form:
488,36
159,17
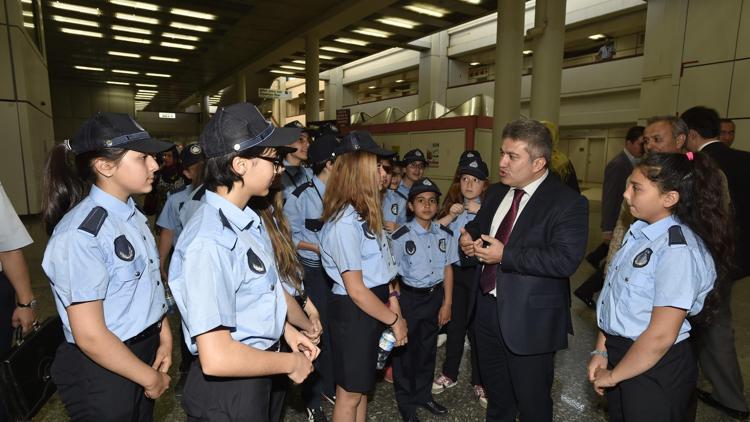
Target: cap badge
195,149
474,164
427,183
470,155
418,153
236,147
108,143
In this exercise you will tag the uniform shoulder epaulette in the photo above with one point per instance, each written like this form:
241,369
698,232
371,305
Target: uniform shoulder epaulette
676,237
94,221
400,232
180,189
301,188
228,239
446,229
198,195
139,208
400,194
225,221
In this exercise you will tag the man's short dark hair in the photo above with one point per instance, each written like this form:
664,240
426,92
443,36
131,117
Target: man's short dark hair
678,125
535,134
703,120
634,133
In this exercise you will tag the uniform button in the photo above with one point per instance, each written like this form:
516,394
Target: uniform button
151,261
144,237
137,273
163,305
627,279
157,283
273,286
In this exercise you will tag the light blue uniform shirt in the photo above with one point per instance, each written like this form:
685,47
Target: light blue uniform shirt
103,249
422,255
303,209
223,273
647,272
460,222
293,177
191,206
403,189
346,244
394,207
169,218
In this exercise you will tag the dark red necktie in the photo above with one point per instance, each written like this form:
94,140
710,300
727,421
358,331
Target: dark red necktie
488,279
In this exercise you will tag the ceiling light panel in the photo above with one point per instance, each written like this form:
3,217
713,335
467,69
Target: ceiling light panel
427,9
597,37
282,72
370,32
165,59
132,39
137,18
131,29
125,72
298,61
527,52
352,41
159,75
335,49
80,32
74,21
149,91
180,36
136,5
189,27
124,54
177,45
472,1
286,66
118,83
325,57
75,8
192,14
147,85
96,69
398,22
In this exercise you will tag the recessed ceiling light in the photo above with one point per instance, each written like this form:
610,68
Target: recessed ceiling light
401,23
26,1
286,66
189,27
192,14
96,69
335,49
180,36
159,75
123,54
398,81
177,45
118,83
165,59
282,72
472,1
132,39
28,25
325,57
126,72
427,9
527,52
136,4
372,32
351,41
137,18
131,29
75,21
298,61
474,64
597,37
148,91
143,97
372,87
76,8
80,32
147,85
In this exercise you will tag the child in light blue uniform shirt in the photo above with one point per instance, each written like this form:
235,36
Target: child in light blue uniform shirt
103,268
225,281
661,275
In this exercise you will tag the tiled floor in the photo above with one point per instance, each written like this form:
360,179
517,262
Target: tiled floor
573,397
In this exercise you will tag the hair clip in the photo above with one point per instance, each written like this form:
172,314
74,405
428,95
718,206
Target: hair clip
67,145
690,155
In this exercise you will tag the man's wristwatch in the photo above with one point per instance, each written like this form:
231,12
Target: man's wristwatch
32,305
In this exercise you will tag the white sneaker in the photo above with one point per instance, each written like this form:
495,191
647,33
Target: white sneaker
442,338
442,383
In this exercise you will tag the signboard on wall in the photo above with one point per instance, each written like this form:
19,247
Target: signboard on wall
274,94
433,155
167,115
343,117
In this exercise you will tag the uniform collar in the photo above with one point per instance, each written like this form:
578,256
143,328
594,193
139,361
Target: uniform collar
319,184
652,231
418,229
242,218
123,210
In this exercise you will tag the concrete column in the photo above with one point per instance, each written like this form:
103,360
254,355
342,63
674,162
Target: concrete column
508,62
433,70
241,85
205,114
549,40
334,92
312,71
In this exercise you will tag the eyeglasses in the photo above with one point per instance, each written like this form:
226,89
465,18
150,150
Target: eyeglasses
278,162
416,165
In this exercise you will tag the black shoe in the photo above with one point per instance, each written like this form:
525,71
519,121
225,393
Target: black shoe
586,300
316,415
435,408
709,400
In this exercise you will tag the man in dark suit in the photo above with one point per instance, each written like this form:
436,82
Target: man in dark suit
715,342
615,174
530,234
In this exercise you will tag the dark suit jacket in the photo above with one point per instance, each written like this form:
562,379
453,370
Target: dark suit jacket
736,166
545,247
615,174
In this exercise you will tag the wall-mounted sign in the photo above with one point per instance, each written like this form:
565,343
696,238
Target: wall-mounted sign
343,117
167,115
274,94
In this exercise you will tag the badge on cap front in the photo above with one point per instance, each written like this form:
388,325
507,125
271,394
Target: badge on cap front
418,153
470,155
195,149
473,164
123,249
641,260
254,262
427,183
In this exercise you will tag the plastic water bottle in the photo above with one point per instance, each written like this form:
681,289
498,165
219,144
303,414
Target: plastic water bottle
385,345
171,304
